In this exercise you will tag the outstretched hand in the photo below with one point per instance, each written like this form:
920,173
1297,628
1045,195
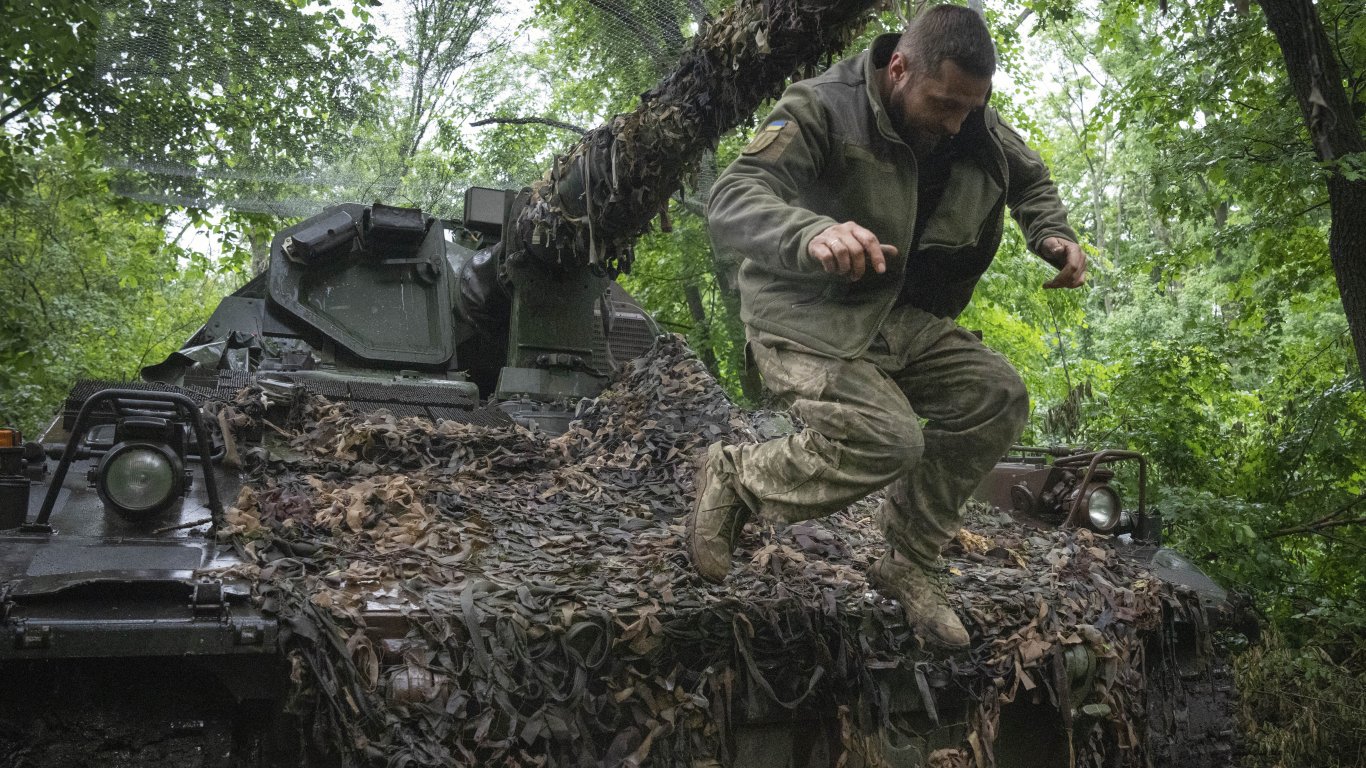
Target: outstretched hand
849,249
1070,260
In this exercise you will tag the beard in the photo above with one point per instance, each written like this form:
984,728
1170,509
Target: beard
918,140
896,112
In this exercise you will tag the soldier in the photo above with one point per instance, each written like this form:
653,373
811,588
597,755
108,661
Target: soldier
864,211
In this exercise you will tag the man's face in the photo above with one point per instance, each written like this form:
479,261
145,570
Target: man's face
932,104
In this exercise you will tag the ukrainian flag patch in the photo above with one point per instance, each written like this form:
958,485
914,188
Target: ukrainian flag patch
769,136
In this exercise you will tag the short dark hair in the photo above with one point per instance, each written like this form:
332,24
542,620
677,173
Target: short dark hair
948,32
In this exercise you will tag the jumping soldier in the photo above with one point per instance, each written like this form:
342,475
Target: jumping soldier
864,211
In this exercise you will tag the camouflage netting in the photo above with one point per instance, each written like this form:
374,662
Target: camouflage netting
599,197
326,108
542,610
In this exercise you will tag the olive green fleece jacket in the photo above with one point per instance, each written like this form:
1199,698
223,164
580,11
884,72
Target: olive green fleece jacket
828,154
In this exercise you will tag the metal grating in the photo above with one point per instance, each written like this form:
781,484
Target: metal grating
332,390
398,409
411,394
632,336
105,413
229,382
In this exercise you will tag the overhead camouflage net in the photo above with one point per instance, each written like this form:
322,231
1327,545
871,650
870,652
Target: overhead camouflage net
467,595
600,196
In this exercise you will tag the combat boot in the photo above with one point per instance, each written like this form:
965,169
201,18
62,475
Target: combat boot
715,522
927,608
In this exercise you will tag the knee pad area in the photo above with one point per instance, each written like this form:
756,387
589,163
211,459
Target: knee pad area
892,452
1012,397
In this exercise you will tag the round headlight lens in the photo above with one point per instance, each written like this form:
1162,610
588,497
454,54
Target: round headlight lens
1102,506
138,478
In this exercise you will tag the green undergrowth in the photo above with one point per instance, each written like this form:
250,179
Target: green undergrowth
1302,706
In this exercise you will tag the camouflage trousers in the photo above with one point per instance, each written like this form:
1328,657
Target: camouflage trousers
927,409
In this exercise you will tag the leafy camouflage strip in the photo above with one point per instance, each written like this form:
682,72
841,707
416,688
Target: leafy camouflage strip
548,615
601,195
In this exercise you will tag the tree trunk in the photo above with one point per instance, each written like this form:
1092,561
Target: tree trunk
602,195
1316,77
707,349
260,251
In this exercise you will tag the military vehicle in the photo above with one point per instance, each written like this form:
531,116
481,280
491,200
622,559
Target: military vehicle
110,517
161,606
118,589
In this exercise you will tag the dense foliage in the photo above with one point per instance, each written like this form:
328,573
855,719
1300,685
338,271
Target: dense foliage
94,287
158,103
1212,336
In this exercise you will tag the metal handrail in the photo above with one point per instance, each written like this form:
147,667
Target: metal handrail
1094,460
180,401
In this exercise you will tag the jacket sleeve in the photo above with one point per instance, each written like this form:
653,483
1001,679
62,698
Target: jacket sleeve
753,211
1033,198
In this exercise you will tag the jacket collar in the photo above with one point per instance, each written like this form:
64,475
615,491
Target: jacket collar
874,59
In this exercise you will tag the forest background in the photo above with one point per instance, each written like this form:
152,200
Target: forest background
149,151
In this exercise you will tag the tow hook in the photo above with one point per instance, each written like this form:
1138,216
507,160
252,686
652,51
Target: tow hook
207,601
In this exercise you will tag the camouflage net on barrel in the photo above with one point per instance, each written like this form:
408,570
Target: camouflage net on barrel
599,197
547,614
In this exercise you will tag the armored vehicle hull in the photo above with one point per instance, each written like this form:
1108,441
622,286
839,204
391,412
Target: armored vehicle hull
392,505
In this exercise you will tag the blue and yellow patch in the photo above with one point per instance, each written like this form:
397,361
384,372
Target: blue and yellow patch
769,137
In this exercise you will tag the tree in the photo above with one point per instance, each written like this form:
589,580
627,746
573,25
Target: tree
437,47
248,104
47,53
717,83
92,285
172,97
1330,114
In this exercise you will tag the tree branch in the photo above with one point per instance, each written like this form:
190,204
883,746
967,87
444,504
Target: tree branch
529,121
1333,519
1315,527
602,194
43,94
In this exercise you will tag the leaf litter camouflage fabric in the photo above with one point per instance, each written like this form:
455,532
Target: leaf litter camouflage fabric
469,595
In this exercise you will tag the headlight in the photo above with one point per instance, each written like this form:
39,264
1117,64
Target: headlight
139,478
1102,507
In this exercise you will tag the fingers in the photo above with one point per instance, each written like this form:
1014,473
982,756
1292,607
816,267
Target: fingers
1062,280
849,249
1072,276
862,256
880,258
834,249
1072,272
1066,277
830,254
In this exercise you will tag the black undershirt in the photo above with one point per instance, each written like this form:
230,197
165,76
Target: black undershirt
932,177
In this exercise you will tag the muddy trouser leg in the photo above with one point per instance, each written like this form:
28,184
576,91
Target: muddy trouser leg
974,405
862,432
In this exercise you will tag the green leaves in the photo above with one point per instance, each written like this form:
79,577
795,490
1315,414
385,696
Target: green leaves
1352,166
1212,337
92,287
